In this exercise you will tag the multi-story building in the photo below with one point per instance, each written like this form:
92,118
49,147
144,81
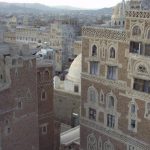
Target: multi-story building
26,104
58,36
115,89
67,94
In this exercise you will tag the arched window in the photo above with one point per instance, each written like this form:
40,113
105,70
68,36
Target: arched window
136,31
91,142
92,94
132,124
94,50
111,102
108,146
112,52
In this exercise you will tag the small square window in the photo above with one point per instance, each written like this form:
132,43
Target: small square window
76,88
44,129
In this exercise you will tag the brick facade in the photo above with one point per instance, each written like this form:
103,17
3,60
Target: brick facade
122,124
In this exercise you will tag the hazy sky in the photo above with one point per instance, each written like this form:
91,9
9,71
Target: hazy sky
75,3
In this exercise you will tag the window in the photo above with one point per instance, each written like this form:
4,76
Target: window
136,31
131,147
94,68
43,95
19,105
91,142
92,94
92,114
101,97
7,130
44,129
112,72
112,52
111,102
108,145
94,50
147,49
136,47
110,121
141,85
133,107
76,88
103,52
133,124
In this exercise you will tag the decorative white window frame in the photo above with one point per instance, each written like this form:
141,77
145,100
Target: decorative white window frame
107,101
137,72
115,46
116,72
45,125
108,143
96,95
133,116
92,144
131,147
89,69
111,111
91,46
136,25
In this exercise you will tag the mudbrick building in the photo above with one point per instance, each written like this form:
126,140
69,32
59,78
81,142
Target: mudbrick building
115,82
26,105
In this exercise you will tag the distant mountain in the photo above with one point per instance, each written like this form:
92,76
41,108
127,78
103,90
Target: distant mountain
67,7
36,8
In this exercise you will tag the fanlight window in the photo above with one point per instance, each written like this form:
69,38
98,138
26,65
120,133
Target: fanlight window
136,31
142,69
94,50
112,52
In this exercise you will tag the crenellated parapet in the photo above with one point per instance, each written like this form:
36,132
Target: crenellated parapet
105,33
